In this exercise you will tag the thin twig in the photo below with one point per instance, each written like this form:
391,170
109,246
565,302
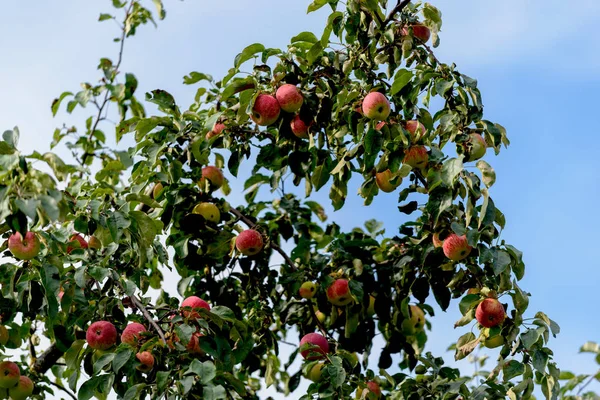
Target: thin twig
590,379
319,324
274,245
64,389
399,7
137,302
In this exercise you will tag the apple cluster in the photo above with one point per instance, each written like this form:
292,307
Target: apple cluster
12,384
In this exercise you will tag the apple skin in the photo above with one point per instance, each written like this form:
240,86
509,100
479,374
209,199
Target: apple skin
494,341
338,293
318,340
3,335
416,157
157,190
437,242
299,127
215,131
83,244
321,317
209,211
456,247
9,374
131,333
146,360
289,97
194,345
416,129
249,242
373,388
307,290
23,390
214,175
315,372
420,31
95,243
266,110
417,318
24,248
477,147
376,106
382,179
194,302
490,312
101,335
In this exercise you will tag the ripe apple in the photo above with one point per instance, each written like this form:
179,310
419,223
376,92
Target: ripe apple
146,360
383,181
299,127
420,31
131,333
376,106
315,372
456,247
195,303
9,374
3,335
214,175
338,293
417,318
373,388
194,344
215,131
490,312
157,190
307,290
249,242
22,390
101,335
475,147
289,97
95,243
24,249
416,129
437,242
416,157
209,211
76,242
266,110
319,349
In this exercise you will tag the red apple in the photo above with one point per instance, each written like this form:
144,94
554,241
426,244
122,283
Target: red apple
78,242
9,374
376,106
420,31
374,388
416,129
22,390
290,98
214,176
338,293
195,303
95,243
215,131
490,312
101,335
299,127
266,110
383,181
131,333
194,344
24,249
146,360
416,157
307,290
249,242
319,349
456,247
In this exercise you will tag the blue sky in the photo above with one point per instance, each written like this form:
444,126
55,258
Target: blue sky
537,64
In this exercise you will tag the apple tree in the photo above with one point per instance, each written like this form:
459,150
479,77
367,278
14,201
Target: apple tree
87,240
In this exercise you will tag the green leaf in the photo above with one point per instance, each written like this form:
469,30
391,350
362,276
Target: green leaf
450,170
530,337
134,391
104,17
401,79
56,102
590,347
315,52
305,37
248,53
195,77
487,172
103,361
512,369
205,370
501,261
540,360
315,5
122,356
214,393
467,302
223,312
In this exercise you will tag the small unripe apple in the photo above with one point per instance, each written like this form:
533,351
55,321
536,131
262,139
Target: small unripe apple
22,390
3,335
315,372
131,333
76,242
307,290
157,190
266,110
376,106
299,127
101,335
319,349
420,31
290,98
146,360
95,243
475,147
9,374
383,181
214,175
417,318
437,242
215,131
321,317
338,293
456,247
416,129
195,303
24,248
249,242
416,157
209,211
490,312
494,341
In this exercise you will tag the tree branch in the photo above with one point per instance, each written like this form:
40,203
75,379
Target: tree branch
138,303
47,359
64,389
399,7
274,245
